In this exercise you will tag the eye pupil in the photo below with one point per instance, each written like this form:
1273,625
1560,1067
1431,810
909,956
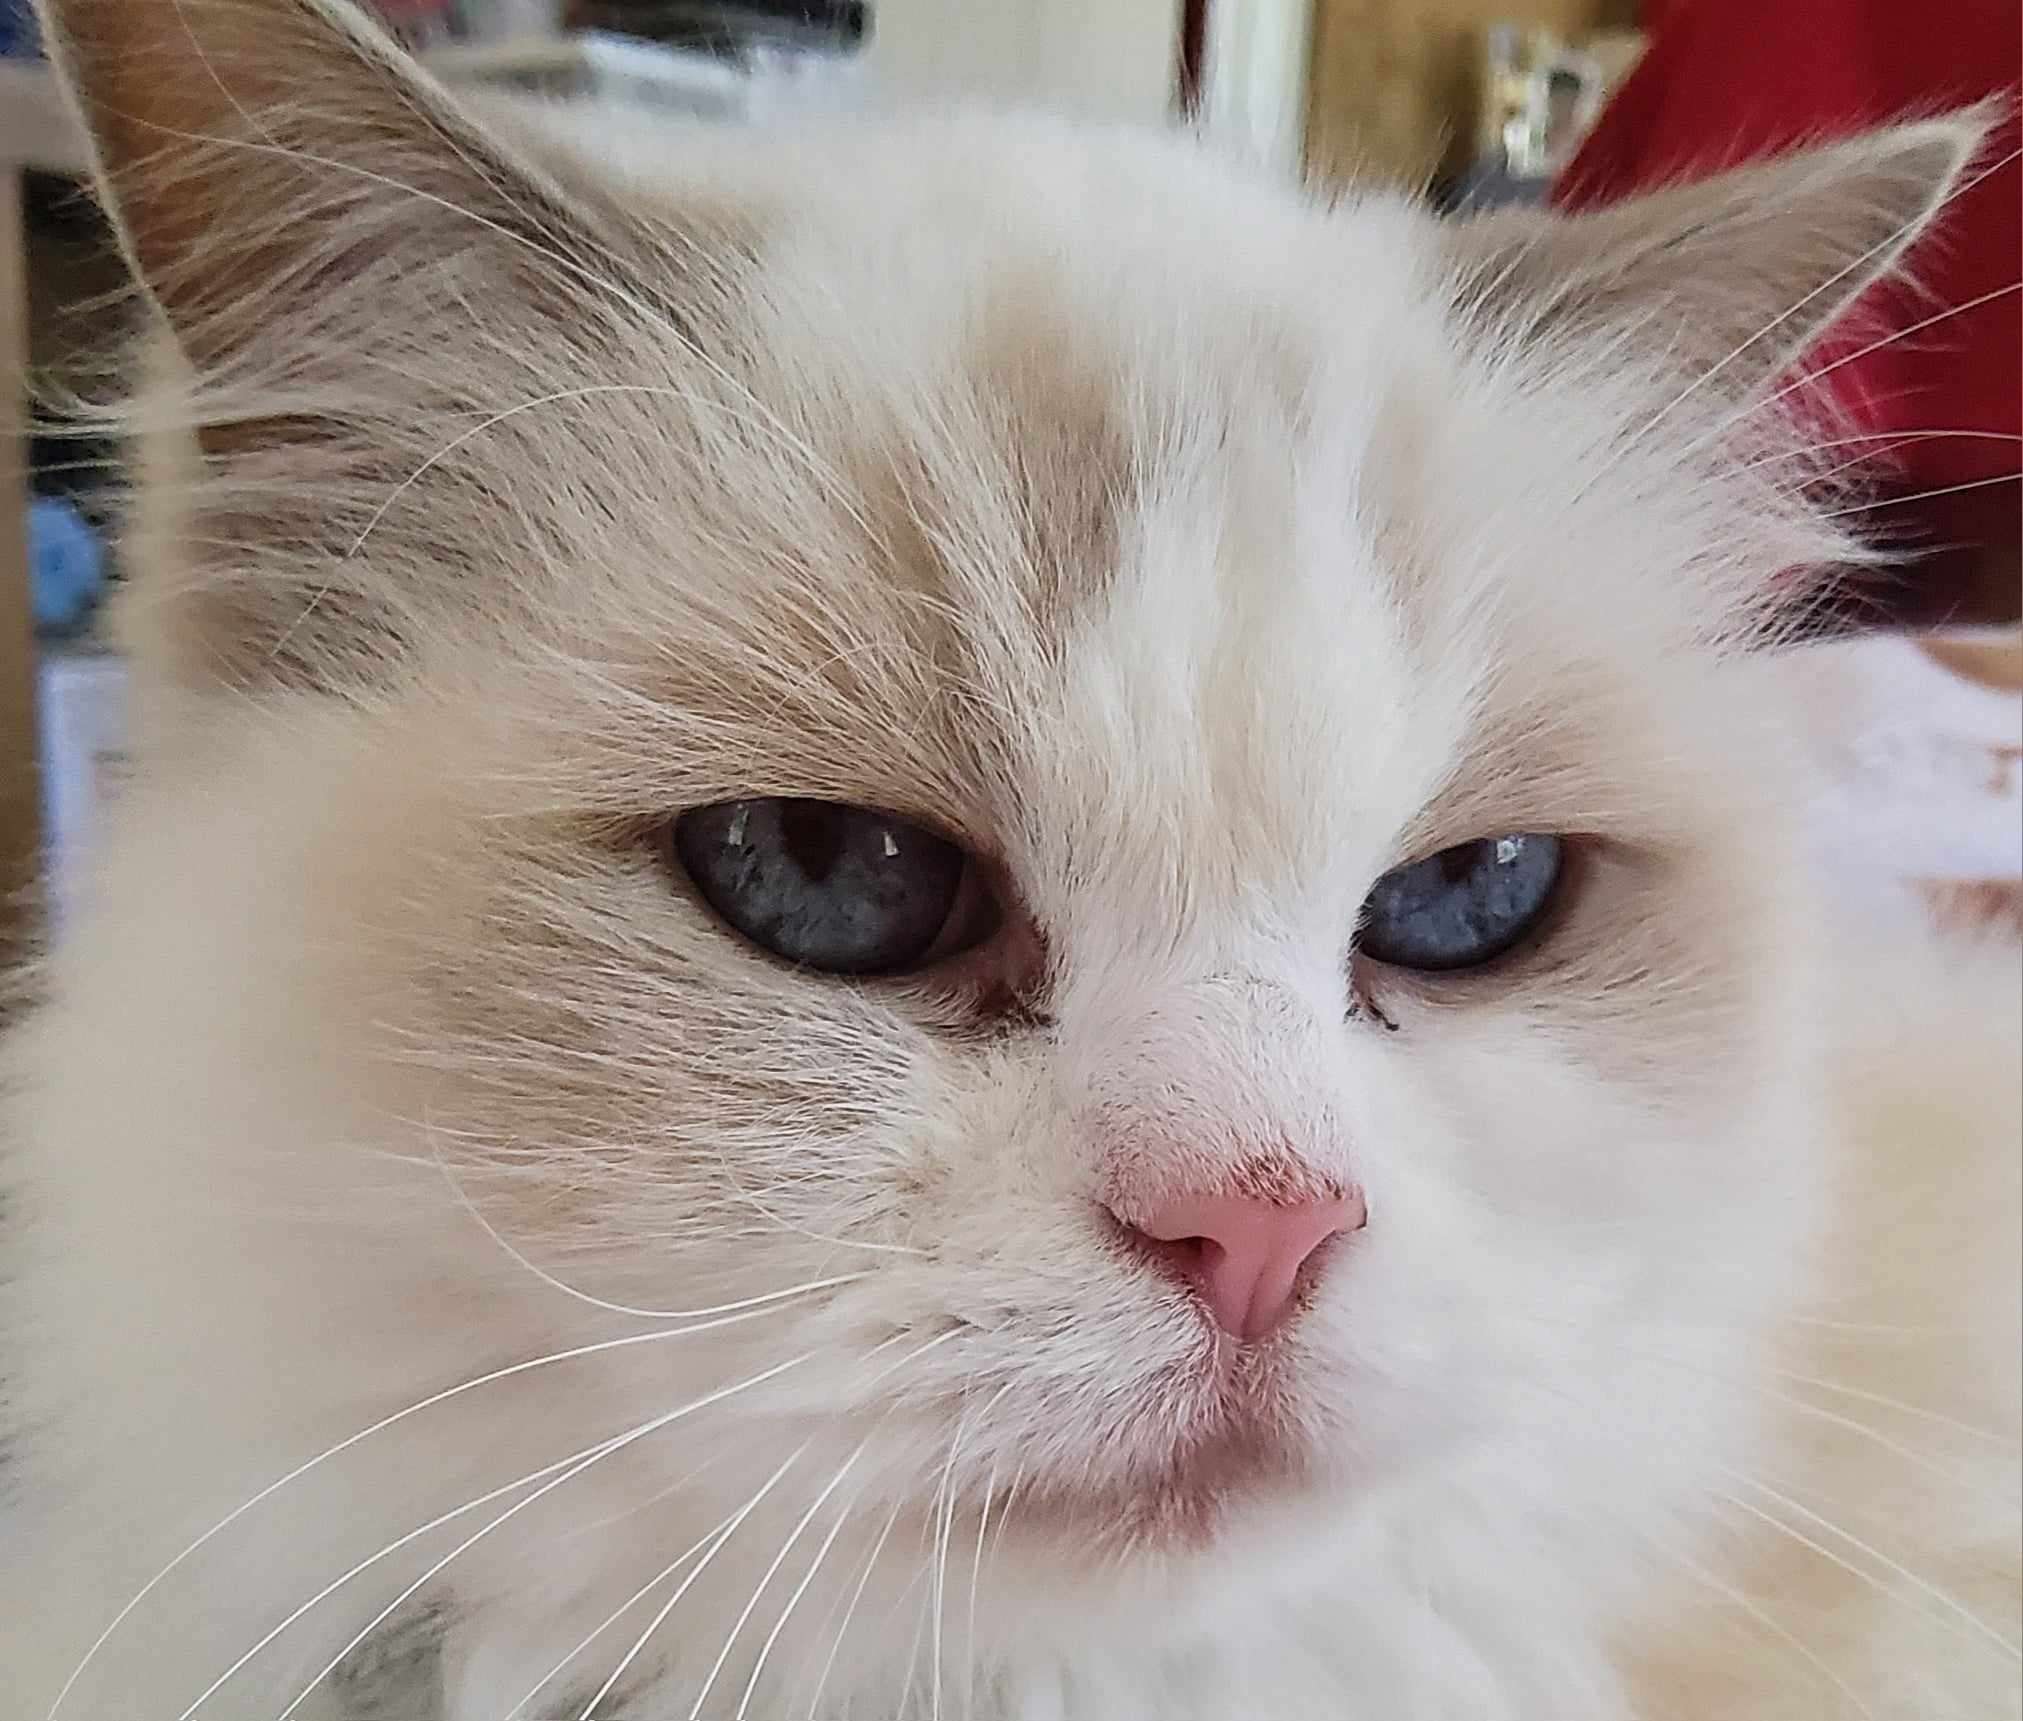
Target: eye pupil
1458,864
812,835
841,889
1462,907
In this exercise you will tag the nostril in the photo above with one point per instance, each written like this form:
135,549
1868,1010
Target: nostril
1183,1255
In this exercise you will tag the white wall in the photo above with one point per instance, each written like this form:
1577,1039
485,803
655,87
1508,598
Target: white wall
1099,59
1255,78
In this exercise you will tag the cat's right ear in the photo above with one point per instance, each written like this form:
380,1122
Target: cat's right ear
254,153
356,271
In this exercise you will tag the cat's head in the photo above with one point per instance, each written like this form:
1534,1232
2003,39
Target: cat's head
1147,783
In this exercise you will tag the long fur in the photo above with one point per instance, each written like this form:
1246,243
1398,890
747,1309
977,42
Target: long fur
1194,550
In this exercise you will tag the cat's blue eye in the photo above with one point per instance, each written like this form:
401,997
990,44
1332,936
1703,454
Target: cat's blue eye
1463,906
842,889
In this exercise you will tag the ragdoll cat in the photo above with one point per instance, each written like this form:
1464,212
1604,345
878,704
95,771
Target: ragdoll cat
962,920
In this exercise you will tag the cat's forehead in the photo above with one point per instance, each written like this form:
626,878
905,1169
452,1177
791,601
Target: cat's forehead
1104,542
1131,551
1231,632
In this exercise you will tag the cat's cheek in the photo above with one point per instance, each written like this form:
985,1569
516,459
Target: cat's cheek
992,1186
1545,1244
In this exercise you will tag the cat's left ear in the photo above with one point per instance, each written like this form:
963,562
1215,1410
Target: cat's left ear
1746,270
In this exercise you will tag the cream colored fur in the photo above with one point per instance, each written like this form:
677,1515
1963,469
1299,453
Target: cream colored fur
1897,1383
1198,552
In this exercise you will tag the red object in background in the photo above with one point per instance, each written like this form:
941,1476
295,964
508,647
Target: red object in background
1727,81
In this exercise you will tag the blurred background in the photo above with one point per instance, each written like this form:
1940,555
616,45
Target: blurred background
1473,103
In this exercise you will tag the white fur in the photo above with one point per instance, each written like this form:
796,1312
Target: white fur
367,961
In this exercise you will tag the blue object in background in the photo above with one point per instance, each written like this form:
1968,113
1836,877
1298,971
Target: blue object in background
18,37
66,565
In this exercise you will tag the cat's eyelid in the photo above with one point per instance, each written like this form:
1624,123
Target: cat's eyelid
903,804
1543,799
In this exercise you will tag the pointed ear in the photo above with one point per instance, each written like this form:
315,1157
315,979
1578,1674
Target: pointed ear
251,152
1747,270
355,272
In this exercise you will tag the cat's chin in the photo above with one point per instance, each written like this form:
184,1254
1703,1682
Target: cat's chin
1228,1452
1189,1508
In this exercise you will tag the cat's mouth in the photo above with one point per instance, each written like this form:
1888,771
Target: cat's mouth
1227,1445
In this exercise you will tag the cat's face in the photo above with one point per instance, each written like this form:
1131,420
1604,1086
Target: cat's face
867,758
1170,633
1175,608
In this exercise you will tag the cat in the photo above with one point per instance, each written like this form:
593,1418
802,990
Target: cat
954,918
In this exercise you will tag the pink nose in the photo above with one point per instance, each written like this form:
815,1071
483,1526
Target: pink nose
1242,1256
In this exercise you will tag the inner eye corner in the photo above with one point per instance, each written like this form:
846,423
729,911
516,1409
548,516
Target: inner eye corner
991,966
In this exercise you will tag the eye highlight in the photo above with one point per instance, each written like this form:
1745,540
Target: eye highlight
1463,906
840,889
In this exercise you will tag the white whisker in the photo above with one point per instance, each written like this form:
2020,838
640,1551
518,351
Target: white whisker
329,1452
763,421
1875,1437
619,1612
1884,1402
1864,439
1800,1539
607,288
1011,1495
1854,266
667,1607
781,1222
794,1600
772,1571
938,1587
1882,502
850,1608
1820,1413
568,1290
391,1548
1895,335
1782,1632
1810,379
595,1455
975,1581
637,1508
1896,1568
589,391
921,1581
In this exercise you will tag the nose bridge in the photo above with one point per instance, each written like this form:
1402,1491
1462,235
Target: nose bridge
1222,1022
1222,1083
